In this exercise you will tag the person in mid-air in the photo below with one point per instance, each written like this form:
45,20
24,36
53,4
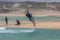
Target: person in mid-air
29,15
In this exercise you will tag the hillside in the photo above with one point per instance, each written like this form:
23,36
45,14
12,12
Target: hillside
35,5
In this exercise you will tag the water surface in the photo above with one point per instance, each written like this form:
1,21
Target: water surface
39,34
46,18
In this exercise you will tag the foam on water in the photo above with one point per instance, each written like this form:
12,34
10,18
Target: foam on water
4,30
39,34
31,30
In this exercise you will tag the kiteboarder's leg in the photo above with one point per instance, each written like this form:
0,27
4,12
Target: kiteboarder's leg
32,20
33,23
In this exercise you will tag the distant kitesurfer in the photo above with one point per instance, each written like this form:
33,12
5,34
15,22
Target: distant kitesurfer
18,22
6,20
29,15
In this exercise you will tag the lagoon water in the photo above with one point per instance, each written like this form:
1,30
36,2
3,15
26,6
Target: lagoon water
39,34
46,18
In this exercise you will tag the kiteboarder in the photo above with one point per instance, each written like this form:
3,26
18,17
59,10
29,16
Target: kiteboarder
18,22
6,20
29,15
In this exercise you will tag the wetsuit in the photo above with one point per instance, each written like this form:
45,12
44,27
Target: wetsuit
29,15
6,20
18,22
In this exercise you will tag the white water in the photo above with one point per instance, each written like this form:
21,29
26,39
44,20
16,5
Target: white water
4,30
31,30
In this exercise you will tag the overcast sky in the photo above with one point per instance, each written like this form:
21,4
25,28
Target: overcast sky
32,0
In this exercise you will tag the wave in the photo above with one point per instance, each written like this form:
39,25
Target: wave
4,30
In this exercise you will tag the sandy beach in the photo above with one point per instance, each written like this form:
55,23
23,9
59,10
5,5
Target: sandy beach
28,24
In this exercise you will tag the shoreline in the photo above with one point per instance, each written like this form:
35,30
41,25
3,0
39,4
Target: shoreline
28,24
